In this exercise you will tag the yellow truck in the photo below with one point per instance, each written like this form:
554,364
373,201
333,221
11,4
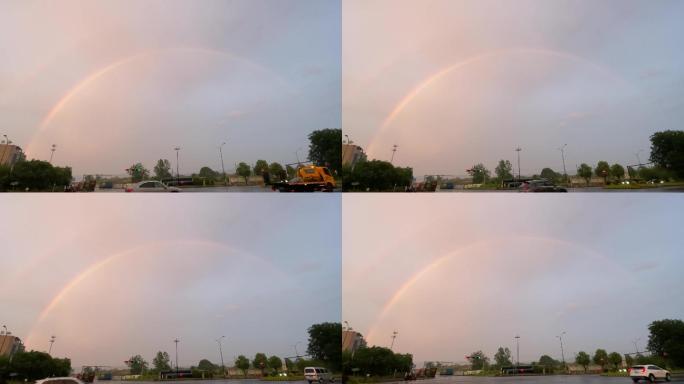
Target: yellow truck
309,178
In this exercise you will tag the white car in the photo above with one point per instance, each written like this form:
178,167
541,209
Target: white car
317,374
648,372
151,186
60,380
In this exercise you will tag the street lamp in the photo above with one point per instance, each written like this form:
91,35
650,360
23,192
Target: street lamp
636,154
562,151
295,348
6,149
517,352
636,349
223,367
394,336
177,172
176,341
560,337
52,342
518,150
297,154
223,168
394,150
52,151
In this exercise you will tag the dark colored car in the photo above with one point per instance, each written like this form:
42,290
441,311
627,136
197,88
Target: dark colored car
540,186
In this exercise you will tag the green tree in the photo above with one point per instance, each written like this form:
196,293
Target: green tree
584,171
374,361
206,365
208,173
275,169
260,362
667,151
161,362
138,172
615,359
502,357
162,170
666,340
242,363
291,171
136,364
480,173
243,170
548,362
260,167
325,344
549,174
275,363
504,170
325,148
602,170
478,360
377,176
289,365
631,172
617,171
629,360
37,175
601,358
583,359
33,365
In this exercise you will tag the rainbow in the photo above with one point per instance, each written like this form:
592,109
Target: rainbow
99,73
436,76
102,264
436,263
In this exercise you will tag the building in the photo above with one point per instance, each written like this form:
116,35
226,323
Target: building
10,344
10,154
352,154
352,341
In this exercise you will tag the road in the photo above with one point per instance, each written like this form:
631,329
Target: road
211,381
575,379
572,190
237,188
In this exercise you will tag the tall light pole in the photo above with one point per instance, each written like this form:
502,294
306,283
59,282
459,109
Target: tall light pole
176,341
518,150
223,168
517,353
560,337
177,167
394,150
52,151
223,367
394,336
562,151
295,348
52,342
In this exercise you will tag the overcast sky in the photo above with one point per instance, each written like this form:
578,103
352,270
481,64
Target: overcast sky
454,83
454,276
113,278
116,82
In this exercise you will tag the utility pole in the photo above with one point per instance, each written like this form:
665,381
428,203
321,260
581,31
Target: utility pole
52,150
52,342
636,154
394,336
223,367
6,149
560,337
518,150
636,349
223,168
176,341
517,353
394,150
4,337
297,154
565,172
177,167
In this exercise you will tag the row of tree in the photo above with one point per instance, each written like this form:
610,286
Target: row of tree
324,348
208,176
34,175
32,366
376,176
376,361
